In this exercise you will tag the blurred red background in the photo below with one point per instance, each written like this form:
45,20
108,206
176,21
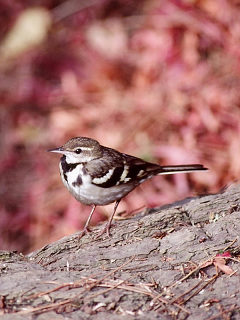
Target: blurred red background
157,79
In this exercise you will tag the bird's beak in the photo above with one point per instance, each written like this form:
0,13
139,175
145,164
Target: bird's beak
57,150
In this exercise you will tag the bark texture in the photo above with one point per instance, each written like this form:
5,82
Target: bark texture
180,261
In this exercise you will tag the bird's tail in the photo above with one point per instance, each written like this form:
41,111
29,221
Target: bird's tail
182,168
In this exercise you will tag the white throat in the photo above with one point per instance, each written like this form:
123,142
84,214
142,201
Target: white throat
72,158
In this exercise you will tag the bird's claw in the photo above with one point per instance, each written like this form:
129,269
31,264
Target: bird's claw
106,229
83,232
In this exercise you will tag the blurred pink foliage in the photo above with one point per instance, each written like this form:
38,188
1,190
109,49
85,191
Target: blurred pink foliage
156,79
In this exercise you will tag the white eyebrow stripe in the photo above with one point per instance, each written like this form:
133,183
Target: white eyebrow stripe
83,148
104,178
125,173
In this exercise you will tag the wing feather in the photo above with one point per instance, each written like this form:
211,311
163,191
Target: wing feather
115,168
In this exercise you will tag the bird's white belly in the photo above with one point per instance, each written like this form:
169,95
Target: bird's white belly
88,193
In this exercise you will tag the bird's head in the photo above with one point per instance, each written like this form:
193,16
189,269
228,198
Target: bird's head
80,150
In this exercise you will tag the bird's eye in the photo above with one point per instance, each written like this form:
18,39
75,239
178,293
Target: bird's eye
78,151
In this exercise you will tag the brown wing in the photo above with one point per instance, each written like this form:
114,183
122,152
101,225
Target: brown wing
115,168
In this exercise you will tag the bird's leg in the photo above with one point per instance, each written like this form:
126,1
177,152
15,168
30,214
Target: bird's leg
86,229
108,224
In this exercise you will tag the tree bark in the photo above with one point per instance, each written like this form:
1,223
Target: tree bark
179,261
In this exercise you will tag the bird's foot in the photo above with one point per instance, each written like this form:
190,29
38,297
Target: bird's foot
83,232
106,229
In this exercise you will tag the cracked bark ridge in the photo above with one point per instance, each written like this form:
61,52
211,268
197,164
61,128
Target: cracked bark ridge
160,264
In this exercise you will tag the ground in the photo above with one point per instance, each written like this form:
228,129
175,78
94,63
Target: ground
179,261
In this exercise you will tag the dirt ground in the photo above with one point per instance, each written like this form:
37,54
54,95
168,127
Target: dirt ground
180,261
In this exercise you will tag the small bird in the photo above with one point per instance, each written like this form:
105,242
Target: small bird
97,175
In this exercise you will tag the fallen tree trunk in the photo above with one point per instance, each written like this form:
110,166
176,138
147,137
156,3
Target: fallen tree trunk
180,261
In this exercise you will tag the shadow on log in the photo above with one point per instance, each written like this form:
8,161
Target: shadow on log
180,261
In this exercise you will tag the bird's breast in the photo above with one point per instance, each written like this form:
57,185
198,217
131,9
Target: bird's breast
79,184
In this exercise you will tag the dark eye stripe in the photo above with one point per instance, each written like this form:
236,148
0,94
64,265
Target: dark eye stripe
113,180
